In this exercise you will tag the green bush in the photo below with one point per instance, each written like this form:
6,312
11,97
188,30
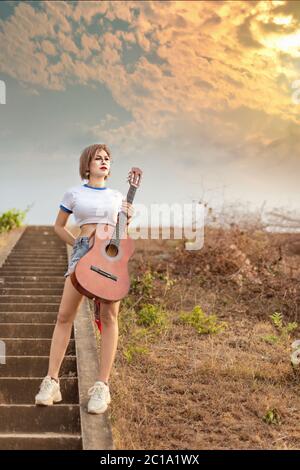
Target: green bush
204,324
271,339
143,286
272,416
151,315
133,351
284,330
11,219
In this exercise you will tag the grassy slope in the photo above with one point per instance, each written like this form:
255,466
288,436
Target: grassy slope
196,391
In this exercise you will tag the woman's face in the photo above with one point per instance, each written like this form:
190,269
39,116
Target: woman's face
100,163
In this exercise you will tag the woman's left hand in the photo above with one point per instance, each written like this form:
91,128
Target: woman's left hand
128,209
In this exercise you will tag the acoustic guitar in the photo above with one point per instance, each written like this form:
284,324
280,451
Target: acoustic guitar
102,273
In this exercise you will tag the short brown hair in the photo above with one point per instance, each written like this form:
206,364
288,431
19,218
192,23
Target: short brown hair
86,157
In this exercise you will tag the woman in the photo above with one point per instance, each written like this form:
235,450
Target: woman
91,203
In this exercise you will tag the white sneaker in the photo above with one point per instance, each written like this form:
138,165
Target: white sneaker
100,397
49,392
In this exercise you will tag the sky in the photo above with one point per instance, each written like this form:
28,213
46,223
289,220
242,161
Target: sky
202,96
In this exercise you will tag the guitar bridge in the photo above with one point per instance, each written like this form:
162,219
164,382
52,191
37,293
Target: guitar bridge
103,273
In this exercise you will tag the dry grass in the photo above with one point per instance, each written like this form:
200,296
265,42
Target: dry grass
193,391
6,236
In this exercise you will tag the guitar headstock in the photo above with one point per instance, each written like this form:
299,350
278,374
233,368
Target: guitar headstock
135,176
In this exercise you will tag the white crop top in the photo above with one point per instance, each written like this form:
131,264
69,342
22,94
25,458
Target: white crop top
92,205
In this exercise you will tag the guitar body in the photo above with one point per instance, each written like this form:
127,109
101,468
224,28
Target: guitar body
102,273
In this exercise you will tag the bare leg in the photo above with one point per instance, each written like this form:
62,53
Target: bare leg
109,337
69,304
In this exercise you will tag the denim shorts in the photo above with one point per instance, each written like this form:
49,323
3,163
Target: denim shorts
80,248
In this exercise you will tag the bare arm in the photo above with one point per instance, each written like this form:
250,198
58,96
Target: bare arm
61,230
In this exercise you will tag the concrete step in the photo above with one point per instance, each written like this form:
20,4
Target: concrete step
35,264
46,230
38,244
27,330
32,347
42,259
38,255
32,266
51,237
17,254
28,317
28,239
15,307
29,298
35,366
31,278
37,248
22,390
34,299
33,284
40,441
38,262
39,251
30,291
35,267
32,271
58,418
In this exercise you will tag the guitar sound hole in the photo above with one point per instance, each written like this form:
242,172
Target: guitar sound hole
111,250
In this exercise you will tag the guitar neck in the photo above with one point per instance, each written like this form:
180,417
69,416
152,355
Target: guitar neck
131,194
122,218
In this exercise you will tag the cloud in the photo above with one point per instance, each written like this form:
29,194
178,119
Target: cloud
214,70
246,36
48,47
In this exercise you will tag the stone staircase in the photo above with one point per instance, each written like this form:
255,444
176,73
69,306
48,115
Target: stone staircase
31,284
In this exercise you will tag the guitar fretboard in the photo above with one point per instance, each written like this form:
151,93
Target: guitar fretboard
122,218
